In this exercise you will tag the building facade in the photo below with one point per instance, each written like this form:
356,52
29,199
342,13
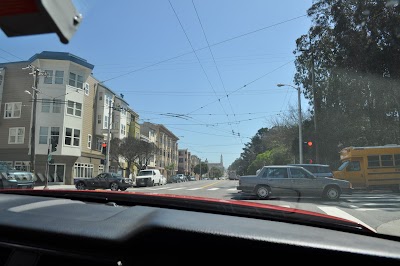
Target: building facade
72,108
166,157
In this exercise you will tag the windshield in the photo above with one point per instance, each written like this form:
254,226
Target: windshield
343,165
145,173
215,90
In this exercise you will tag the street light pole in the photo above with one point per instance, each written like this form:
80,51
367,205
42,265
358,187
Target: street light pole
300,120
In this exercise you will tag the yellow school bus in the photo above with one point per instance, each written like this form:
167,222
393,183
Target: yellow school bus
371,167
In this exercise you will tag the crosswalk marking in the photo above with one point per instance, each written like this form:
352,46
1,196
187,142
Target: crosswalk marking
177,188
334,211
196,188
232,189
214,188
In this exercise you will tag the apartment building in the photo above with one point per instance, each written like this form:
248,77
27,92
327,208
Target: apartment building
166,159
184,165
72,107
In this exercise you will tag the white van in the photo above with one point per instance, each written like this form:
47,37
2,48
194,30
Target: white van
148,178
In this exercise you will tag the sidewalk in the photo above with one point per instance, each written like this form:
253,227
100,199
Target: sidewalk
61,187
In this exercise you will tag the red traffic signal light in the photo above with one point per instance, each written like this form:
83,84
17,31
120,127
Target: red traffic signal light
309,143
104,148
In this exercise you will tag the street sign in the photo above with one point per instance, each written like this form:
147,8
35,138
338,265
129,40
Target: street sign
49,157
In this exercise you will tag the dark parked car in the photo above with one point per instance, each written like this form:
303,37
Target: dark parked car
292,180
10,178
111,181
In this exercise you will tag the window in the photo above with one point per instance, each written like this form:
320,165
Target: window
86,88
75,80
397,159
298,173
48,78
89,141
72,79
55,134
373,161
83,170
72,136
43,135
354,166
16,135
12,110
59,78
99,144
123,129
105,121
56,106
98,119
387,160
101,168
46,105
22,166
100,96
74,108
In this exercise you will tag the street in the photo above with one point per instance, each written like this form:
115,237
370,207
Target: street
377,210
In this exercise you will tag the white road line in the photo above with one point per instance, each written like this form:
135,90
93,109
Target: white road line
177,188
334,211
158,188
196,188
214,188
232,189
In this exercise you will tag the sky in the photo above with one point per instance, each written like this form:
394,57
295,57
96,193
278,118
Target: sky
206,69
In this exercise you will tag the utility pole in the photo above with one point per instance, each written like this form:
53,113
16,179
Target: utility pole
36,72
316,106
110,114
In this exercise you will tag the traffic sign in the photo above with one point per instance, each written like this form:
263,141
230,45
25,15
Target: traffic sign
49,157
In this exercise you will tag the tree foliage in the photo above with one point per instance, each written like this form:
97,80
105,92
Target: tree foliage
204,169
133,151
354,47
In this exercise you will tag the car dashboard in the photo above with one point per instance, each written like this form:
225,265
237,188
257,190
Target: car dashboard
49,230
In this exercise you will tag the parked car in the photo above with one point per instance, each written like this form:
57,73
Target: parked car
175,179
182,177
10,178
192,178
321,170
111,181
292,180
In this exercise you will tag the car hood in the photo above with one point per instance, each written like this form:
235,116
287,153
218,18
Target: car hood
20,175
141,176
211,205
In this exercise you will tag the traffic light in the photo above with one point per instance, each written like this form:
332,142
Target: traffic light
54,144
310,144
29,17
104,148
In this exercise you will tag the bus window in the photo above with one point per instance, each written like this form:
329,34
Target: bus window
373,161
343,166
354,166
387,160
397,159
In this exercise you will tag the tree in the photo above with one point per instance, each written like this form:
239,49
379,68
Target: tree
131,150
215,172
204,169
354,47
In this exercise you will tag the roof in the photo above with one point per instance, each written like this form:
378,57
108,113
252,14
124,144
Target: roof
309,164
62,56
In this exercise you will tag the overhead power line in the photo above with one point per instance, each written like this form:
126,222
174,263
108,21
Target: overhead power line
215,44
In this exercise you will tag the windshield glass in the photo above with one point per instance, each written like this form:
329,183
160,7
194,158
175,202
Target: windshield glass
343,165
145,173
214,90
